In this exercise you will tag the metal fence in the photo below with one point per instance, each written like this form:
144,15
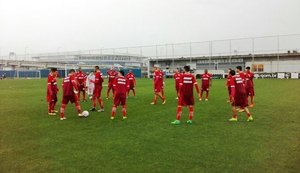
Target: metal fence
228,47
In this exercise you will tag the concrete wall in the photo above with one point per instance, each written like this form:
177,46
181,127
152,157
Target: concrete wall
281,66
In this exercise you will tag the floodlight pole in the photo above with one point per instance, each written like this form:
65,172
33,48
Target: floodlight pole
252,52
277,53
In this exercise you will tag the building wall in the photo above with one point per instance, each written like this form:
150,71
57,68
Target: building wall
274,66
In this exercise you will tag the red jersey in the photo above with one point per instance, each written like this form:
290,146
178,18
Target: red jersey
51,84
229,78
111,74
158,78
242,75
187,82
177,79
98,79
80,76
131,78
239,84
69,85
249,79
206,77
121,85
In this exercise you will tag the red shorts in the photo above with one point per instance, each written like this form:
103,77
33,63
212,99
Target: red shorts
81,87
158,88
240,100
72,99
131,86
120,99
250,91
229,90
110,85
205,87
97,92
186,100
52,98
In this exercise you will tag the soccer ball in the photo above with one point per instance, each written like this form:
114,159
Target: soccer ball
85,113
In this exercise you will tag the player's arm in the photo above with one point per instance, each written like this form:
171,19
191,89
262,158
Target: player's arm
74,84
196,86
210,80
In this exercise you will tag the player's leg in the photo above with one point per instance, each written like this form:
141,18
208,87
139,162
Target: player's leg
62,111
100,102
201,93
50,108
94,101
133,90
154,101
178,115
249,116
78,108
191,114
124,112
161,96
83,93
207,92
234,113
108,90
113,111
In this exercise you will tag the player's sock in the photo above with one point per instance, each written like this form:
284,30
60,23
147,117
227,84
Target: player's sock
83,95
100,103
62,110
107,93
201,94
113,111
78,107
49,107
178,113
124,111
207,94
133,92
191,113
94,102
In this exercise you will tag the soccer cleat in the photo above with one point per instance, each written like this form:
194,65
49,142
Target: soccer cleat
176,98
80,115
164,102
63,118
112,118
228,101
93,109
124,118
101,110
189,122
106,98
51,113
153,103
55,111
206,99
251,105
176,122
233,119
250,119
200,99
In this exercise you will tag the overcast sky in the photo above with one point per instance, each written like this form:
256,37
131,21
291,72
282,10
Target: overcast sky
65,25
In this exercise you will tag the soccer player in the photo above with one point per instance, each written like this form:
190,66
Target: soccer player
132,82
111,74
205,84
52,91
227,84
97,90
240,72
121,85
81,77
186,95
250,86
177,80
90,85
158,80
238,95
70,91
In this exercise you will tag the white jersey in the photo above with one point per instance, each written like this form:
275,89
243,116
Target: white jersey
90,85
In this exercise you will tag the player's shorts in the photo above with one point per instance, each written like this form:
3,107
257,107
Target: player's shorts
110,85
205,87
81,87
229,90
97,92
158,88
250,91
67,99
186,100
120,99
131,86
240,100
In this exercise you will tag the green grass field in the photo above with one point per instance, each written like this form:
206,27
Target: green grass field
32,141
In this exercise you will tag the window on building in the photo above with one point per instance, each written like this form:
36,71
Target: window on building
258,67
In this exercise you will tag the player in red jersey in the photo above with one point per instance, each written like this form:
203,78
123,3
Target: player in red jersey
227,84
238,95
52,91
186,95
177,80
81,77
97,90
132,82
158,80
70,91
205,84
250,86
111,74
121,86
243,78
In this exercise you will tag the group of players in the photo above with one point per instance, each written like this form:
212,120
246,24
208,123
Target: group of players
239,84
76,82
